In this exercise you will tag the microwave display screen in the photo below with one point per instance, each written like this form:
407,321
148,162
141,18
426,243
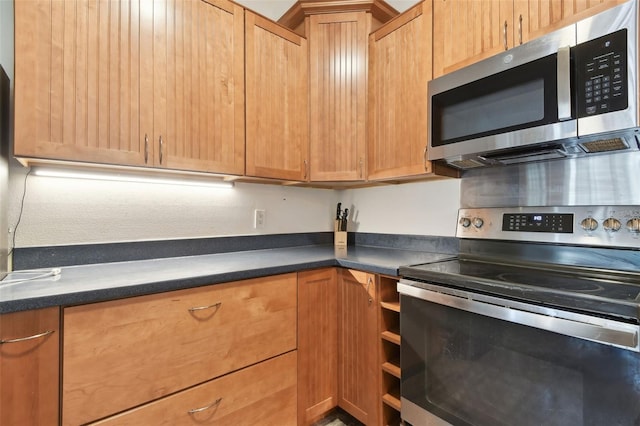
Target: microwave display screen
514,99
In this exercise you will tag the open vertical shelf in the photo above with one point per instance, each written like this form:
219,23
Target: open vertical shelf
389,351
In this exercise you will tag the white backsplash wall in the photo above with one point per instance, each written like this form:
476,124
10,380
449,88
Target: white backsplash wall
421,208
60,211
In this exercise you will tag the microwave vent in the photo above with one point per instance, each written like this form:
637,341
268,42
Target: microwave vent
466,164
604,145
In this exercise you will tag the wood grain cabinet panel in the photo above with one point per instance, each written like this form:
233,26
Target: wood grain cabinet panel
467,31
400,67
198,94
317,344
277,101
358,367
534,18
124,353
29,367
263,394
337,104
77,87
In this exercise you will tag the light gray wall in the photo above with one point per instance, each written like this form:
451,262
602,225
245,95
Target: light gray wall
6,60
274,9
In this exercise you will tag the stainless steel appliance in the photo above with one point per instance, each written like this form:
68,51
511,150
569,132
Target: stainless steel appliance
568,94
536,322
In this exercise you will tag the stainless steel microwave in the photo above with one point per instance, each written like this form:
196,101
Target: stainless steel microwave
573,92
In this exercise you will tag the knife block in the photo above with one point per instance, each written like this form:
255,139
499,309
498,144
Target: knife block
340,238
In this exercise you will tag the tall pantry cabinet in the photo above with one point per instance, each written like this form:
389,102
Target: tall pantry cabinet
135,83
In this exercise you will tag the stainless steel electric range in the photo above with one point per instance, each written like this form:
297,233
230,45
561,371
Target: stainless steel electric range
536,322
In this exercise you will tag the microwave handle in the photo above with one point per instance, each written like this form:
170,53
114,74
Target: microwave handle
564,83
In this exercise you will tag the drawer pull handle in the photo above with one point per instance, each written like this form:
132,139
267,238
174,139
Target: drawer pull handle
23,339
199,410
201,308
369,281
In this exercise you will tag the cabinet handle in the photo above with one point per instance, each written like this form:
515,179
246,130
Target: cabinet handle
361,168
306,166
425,158
146,148
23,339
201,308
506,45
206,407
520,29
161,149
369,281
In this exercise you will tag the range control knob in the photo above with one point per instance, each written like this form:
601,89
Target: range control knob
478,222
589,224
633,225
611,224
465,222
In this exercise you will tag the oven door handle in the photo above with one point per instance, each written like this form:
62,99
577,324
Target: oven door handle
596,329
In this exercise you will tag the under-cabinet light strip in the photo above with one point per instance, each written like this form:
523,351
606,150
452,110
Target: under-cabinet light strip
124,177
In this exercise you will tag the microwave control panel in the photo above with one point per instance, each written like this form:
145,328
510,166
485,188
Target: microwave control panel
601,74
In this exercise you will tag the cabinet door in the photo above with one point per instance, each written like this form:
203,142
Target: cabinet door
466,31
535,18
77,88
199,85
400,67
337,103
124,353
277,80
29,365
317,344
357,345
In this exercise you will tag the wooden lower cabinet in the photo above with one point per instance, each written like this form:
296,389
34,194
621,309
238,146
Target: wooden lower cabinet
317,344
29,367
358,369
263,394
124,353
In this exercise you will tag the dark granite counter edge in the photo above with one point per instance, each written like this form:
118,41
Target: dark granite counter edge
113,293
86,254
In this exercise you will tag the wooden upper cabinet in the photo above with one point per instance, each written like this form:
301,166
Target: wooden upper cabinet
358,366
198,85
534,18
29,367
337,104
277,101
400,67
466,31
77,87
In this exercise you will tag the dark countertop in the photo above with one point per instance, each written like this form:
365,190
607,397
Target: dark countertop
107,281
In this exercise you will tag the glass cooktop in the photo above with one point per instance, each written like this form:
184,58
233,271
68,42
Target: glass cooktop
596,291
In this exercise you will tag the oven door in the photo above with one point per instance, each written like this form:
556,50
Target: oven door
469,359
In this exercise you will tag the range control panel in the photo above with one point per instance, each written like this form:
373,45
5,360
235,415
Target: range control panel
607,226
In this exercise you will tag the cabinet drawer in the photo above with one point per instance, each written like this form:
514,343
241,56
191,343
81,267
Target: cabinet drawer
120,354
263,394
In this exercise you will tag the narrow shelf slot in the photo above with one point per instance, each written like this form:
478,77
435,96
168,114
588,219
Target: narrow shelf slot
391,368
392,401
392,306
391,337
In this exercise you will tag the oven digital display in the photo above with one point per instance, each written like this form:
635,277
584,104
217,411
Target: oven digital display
537,222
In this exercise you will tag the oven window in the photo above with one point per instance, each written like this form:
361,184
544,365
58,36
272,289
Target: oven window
515,99
474,370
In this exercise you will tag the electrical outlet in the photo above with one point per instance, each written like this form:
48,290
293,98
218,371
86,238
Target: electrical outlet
259,218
